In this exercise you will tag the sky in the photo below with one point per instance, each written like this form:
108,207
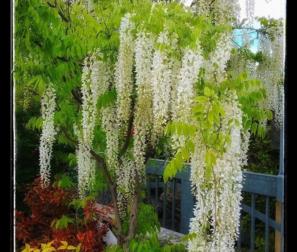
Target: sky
263,8
266,8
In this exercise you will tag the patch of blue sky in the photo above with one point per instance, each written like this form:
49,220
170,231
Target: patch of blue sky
238,35
252,34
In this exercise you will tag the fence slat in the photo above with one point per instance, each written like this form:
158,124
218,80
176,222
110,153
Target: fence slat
186,204
260,216
157,189
164,204
278,233
267,225
252,243
173,204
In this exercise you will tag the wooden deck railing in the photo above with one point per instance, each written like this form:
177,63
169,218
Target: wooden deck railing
174,202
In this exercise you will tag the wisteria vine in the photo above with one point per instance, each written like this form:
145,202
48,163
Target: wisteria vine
47,138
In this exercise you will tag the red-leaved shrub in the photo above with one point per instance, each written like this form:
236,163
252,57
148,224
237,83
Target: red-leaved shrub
51,203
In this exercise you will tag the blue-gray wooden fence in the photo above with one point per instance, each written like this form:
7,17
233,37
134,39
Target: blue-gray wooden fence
255,184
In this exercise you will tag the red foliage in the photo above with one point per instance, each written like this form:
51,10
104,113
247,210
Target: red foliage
68,234
90,238
51,203
90,211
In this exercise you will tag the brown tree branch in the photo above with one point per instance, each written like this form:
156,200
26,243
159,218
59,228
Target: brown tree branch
76,96
102,165
134,210
112,188
61,14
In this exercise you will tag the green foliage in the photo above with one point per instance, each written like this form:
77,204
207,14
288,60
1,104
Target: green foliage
106,99
26,146
177,163
263,157
71,158
181,129
53,38
251,94
150,242
34,123
208,112
271,27
100,184
147,219
62,222
246,54
114,248
65,182
146,243
79,203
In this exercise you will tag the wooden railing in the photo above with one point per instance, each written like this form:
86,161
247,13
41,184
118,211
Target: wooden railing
174,202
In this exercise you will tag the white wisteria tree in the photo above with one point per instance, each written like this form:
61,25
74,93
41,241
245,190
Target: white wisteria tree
165,74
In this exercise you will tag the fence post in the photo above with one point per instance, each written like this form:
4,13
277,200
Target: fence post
279,211
278,234
186,201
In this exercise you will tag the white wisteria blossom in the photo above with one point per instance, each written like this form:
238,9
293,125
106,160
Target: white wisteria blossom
162,80
110,126
123,72
95,81
219,196
143,113
100,75
192,61
215,66
271,73
89,98
182,98
245,142
221,11
85,169
48,133
125,186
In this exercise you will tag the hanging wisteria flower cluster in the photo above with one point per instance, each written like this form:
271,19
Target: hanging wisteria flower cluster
215,66
218,195
47,138
165,90
192,61
221,11
143,113
110,126
162,82
123,74
271,73
95,81
125,180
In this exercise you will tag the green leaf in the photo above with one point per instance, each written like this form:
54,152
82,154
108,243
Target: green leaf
34,123
178,162
63,222
106,99
65,182
210,161
208,92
